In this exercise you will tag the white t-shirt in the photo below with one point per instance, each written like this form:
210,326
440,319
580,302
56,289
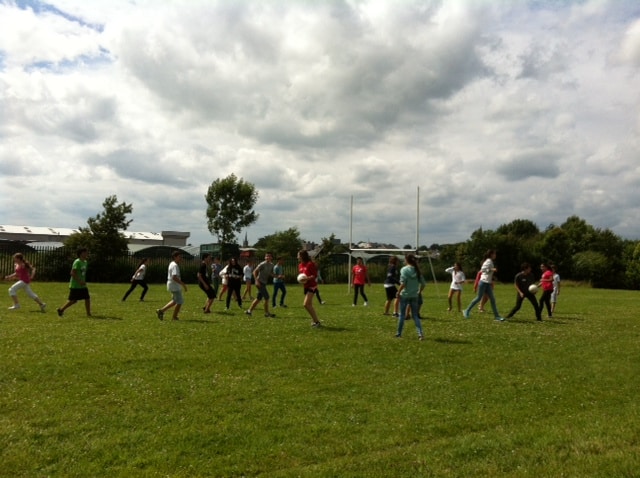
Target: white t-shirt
248,272
139,274
457,278
174,270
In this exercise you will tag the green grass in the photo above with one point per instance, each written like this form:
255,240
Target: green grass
123,394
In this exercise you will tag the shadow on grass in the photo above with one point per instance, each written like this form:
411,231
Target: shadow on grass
104,317
452,341
197,321
328,328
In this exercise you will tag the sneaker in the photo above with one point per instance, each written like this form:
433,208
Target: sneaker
482,311
420,338
248,312
14,307
60,312
269,315
465,314
366,304
43,307
500,319
176,318
395,314
160,314
322,303
353,305
316,324
282,305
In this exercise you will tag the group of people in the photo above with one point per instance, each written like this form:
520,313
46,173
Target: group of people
231,276
403,288
524,283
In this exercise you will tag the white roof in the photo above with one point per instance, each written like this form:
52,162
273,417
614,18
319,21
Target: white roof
64,231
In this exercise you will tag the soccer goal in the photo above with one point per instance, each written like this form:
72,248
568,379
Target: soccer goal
361,252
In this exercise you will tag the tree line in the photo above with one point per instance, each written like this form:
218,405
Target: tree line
580,251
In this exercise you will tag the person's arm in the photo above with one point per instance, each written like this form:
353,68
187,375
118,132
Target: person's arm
177,279
76,277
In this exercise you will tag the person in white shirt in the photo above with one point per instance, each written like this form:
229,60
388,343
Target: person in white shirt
457,280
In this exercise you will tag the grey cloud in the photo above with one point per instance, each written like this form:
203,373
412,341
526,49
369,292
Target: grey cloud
535,163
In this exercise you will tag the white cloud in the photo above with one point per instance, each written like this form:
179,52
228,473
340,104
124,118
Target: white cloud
496,110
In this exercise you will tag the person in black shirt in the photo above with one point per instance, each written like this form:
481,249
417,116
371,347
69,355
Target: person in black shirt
522,281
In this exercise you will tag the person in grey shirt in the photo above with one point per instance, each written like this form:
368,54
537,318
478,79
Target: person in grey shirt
263,274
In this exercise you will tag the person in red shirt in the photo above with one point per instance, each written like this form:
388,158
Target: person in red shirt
546,282
360,278
308,268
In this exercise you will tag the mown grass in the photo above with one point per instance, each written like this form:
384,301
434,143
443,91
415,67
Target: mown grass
123,394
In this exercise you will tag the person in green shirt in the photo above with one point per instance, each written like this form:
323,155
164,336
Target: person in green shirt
78,283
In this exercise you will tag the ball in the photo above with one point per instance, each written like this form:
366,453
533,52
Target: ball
533,288
302,278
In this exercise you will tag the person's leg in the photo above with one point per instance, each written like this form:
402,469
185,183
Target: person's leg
494,306
364,296
67,304
145,288
534,303
176,311
475,300
13,293
403,313
516,307
308,305
415,313
131,287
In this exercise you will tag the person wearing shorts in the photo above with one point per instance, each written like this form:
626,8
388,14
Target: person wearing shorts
78,283
175,286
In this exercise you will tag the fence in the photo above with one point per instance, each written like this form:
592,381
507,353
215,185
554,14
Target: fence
54,264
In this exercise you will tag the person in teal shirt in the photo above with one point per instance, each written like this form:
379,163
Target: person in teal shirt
78,289
412,282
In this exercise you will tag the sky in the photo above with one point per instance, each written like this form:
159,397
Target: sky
385,121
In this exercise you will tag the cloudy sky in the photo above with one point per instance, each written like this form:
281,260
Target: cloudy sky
494,110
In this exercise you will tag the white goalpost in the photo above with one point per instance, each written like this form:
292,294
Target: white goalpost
393,251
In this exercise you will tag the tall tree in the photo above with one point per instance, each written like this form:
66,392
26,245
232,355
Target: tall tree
103,234
230,207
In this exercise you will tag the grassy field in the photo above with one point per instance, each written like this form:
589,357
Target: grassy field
123,394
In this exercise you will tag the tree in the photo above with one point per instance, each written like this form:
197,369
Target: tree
103,236
522,228
282,243
230,207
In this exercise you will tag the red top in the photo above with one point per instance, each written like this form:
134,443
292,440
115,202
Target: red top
23,274
359,274
310,270
546,281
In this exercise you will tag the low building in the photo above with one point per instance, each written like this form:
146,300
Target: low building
30,234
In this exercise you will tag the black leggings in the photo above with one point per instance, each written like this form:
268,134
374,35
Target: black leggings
134,284
545,300
358,288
